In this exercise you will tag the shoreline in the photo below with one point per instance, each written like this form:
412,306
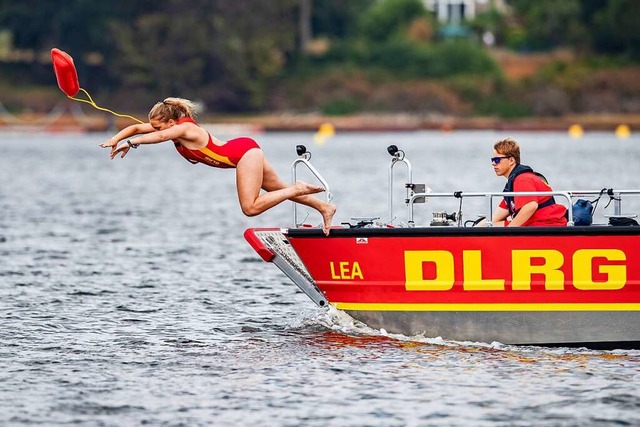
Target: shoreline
408,122
386,122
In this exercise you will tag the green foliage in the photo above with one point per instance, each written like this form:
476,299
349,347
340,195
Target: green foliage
604,26
503,107
387,18
516,39
338,19
232,54
463,57
226,55
492,21
551,23
405,59
492,96
617,28
340,107
446,60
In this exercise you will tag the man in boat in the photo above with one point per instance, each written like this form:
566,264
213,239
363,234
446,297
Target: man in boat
523,210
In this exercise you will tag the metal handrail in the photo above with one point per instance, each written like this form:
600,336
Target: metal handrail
304,159
613,194
490,196
568,195
399,157
394,162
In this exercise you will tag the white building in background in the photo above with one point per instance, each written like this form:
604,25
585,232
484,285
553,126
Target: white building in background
456,12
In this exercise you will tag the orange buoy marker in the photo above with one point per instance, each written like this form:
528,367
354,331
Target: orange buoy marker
576,131
623,131
67,77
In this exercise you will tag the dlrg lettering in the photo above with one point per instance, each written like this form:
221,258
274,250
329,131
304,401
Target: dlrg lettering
592,269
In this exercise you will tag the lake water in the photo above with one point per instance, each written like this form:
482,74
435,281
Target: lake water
128,295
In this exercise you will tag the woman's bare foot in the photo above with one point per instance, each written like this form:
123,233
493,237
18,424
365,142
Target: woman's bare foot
327,215
303,188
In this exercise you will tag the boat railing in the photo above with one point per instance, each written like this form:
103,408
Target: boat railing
568,196
615,196
303,159
419,193
489,196
410,187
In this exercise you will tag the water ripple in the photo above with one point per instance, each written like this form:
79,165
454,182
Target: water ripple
142,304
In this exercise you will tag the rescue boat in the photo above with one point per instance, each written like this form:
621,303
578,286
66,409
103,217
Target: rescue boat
577,285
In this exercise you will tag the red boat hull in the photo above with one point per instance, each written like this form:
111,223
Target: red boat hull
475,272
554,283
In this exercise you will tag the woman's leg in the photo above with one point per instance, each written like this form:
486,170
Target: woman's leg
272,182
253,172
249,180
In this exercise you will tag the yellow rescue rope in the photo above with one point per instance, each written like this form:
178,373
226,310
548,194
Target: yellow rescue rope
93,104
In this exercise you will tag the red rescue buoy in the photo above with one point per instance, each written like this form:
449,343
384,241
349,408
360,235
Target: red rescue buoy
66,73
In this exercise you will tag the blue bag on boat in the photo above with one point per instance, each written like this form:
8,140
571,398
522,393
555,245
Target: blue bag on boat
582,212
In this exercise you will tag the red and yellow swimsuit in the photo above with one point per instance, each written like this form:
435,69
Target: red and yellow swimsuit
219,156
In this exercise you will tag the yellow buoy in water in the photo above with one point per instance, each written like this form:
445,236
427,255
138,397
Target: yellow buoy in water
623,131
326,131
576,131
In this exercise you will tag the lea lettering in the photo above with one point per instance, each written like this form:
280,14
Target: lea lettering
345,270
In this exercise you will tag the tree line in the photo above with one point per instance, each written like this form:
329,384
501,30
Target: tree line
237,55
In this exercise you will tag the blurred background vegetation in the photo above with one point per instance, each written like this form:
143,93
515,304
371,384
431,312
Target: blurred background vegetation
503,58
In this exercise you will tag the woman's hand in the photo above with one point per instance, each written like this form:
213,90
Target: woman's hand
122,148
112,143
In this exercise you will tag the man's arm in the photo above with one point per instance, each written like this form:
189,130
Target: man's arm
499,215
524,214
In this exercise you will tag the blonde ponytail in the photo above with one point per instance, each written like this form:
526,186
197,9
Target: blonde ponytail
173,108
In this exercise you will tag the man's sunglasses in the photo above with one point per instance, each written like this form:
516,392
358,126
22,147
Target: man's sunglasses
498,159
